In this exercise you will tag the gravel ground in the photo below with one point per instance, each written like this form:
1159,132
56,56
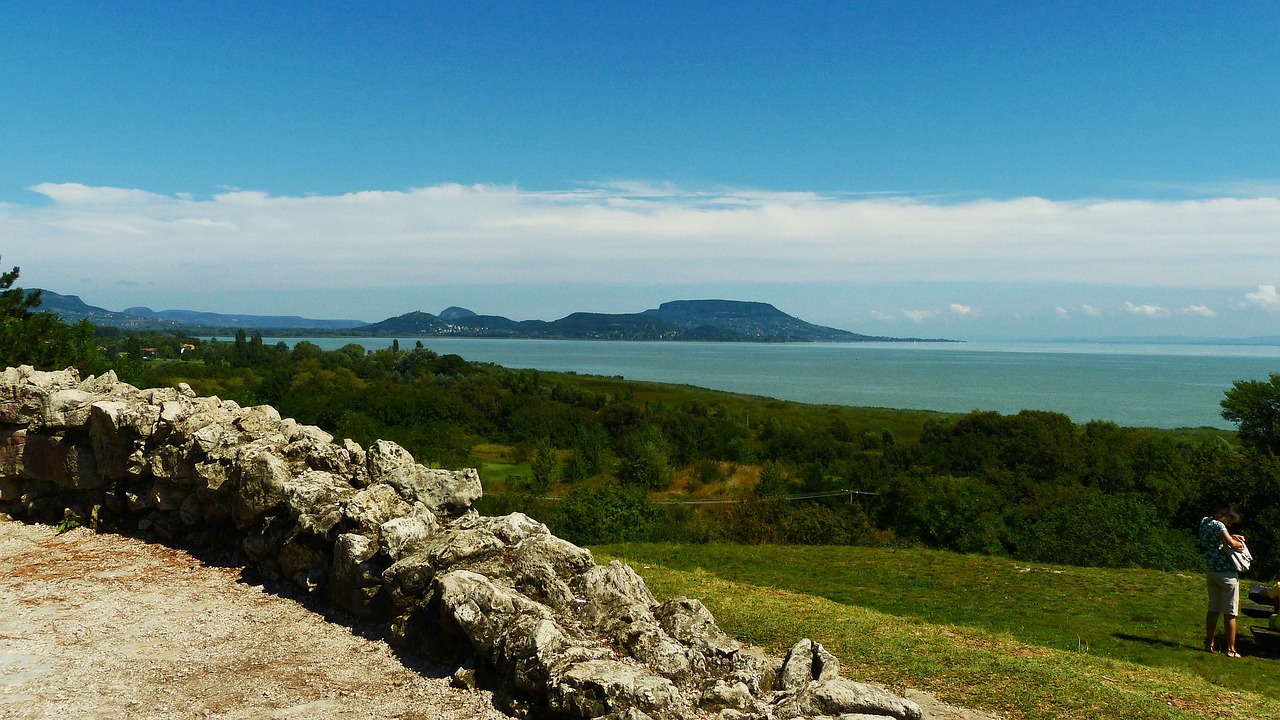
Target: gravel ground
104,626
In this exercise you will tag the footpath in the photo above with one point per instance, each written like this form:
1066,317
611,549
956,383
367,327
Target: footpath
108,627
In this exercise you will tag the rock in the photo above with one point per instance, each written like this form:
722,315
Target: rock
305,563
55,459
317,496
689,622
372,507
601,687
354,583
11,489
386,460
11,444
447,492
25,390
481,610
261,477
404,535
840,696
379,535
66,408
797,668
615,580
463,548
261,420
444,492
735,697
408,580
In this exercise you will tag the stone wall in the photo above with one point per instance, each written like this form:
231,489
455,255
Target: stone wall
373,532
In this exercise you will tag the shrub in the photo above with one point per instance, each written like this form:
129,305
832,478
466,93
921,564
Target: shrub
1117,531
592,516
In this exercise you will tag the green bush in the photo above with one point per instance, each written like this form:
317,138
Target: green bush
1114,531
591,516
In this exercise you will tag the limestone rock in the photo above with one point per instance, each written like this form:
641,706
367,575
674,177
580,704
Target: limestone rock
261,479
355,583
379,535
840,696
601,687
66,408
57,460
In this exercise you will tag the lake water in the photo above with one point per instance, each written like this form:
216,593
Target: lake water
1164,385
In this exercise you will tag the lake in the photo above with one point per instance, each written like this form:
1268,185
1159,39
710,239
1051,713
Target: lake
1144,385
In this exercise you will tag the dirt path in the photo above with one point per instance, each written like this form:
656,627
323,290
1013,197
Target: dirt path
102,626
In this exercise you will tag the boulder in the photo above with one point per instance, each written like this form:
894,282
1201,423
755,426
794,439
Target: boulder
66,408
58,460
598,688
840,697
355,584
261,477
444,492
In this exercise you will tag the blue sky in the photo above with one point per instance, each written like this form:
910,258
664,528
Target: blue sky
963,170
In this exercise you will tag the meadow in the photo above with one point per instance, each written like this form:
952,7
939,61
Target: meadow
1021,640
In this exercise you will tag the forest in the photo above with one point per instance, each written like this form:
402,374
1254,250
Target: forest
605,459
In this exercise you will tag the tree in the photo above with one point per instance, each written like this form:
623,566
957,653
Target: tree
645,459
39,339
1255,406
543,466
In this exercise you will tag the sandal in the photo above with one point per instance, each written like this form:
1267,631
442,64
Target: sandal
1233,654
1208,647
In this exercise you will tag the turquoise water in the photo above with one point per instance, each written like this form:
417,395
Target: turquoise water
1131,384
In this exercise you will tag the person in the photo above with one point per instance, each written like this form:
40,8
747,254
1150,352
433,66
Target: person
1220,577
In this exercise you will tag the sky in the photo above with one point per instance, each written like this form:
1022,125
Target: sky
926,169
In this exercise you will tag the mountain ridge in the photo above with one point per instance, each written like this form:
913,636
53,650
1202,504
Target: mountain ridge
686,320
678,320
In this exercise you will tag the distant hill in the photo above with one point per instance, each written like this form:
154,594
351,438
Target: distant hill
455,313
708,320
752,320
263,322
72,309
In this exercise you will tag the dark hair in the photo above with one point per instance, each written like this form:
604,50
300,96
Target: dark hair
1230,516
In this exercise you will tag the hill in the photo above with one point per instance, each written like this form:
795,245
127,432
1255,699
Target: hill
706,320
72,310
753,320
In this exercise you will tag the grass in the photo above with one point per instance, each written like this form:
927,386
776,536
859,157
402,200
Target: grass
1021,640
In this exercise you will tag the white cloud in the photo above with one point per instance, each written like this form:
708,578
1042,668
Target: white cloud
1091,311
1062,312
1148,310
1198,311
1266,299
637,233
962,310
883,316
918,316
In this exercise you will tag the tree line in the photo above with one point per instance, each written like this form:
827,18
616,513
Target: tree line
604,459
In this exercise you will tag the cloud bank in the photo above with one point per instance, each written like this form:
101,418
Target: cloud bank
639,233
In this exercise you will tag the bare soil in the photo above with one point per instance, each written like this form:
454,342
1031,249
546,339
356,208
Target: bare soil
104,626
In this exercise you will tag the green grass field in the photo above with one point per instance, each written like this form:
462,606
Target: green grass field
1021,640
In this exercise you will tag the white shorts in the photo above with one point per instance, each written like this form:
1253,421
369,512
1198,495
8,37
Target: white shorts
1224,593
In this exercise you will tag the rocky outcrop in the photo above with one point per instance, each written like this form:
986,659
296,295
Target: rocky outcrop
377,534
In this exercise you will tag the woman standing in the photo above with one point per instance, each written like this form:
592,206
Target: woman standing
1220,576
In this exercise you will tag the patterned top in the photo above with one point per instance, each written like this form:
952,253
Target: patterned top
1215,560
